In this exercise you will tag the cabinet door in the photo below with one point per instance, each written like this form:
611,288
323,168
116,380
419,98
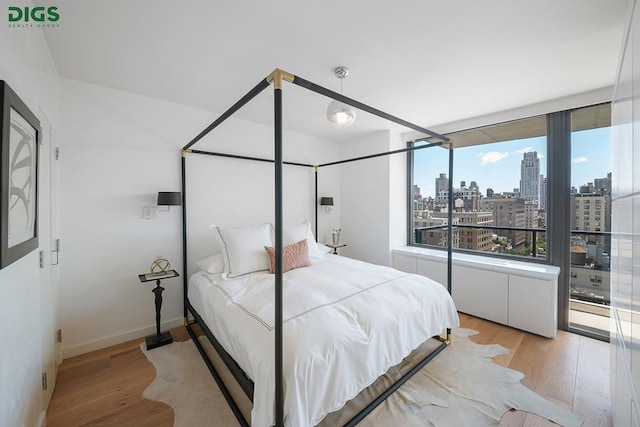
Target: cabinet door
481,293
533,305
404,263
433,270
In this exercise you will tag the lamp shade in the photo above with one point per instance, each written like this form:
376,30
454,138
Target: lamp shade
340,115
169,198
326,201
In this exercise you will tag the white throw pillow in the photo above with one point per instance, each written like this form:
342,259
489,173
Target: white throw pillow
243,249
212,264
294,233
324,249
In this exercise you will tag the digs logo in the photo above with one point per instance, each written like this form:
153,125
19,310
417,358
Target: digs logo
42,16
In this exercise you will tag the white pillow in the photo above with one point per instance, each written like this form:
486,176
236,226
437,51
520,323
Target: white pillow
323,249
212,264
314,251
243,249
294,233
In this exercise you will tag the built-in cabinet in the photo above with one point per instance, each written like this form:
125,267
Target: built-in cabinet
483,293
625,229
518,294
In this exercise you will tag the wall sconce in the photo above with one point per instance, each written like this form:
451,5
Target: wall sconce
327,202
166,201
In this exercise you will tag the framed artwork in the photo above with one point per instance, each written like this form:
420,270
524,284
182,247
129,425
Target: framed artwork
19,133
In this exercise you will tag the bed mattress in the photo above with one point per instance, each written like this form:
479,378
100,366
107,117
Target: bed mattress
346,322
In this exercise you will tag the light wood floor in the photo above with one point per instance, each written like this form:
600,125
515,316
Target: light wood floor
105,387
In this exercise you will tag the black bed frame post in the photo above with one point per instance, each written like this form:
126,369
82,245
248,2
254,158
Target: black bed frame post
277,77
315,168
450,220
450,234
184,237
279,369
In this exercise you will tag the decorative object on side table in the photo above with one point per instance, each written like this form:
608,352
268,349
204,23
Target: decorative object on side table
335,233
160,269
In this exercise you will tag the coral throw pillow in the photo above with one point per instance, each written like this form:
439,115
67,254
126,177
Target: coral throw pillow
293,256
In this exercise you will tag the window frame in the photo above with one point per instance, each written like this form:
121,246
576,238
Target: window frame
464,250
559,211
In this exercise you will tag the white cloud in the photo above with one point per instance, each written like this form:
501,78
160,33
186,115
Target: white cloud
492,157
525,150
580,159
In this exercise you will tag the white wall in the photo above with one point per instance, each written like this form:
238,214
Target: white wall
365,200
397,194
374,198
27,67
118,151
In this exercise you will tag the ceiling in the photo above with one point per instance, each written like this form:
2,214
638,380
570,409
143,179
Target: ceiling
426,61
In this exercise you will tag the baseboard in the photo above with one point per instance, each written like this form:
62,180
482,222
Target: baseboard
42,419
117,339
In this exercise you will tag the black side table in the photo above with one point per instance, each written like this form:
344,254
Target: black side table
335,247
160,338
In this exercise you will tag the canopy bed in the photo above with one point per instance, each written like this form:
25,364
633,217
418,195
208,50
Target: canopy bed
346,322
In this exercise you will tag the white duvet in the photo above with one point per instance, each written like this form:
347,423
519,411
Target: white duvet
346,322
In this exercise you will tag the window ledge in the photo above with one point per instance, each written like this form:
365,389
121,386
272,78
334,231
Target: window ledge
521,268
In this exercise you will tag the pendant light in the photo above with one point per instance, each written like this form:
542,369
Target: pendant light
339,114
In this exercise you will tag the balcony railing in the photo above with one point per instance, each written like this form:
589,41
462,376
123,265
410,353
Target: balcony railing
534,232
603,236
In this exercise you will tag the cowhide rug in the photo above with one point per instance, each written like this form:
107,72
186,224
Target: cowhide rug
459,387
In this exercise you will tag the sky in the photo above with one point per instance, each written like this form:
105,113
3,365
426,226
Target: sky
497,165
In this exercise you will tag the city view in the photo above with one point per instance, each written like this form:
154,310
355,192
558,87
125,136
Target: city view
501,208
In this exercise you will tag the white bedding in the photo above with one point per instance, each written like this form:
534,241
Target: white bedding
346,322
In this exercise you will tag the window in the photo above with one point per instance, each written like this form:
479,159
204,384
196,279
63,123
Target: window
511,201
596,279
498,181
591,182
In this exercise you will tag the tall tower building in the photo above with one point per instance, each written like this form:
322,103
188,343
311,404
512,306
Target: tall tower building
442,183
530,176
